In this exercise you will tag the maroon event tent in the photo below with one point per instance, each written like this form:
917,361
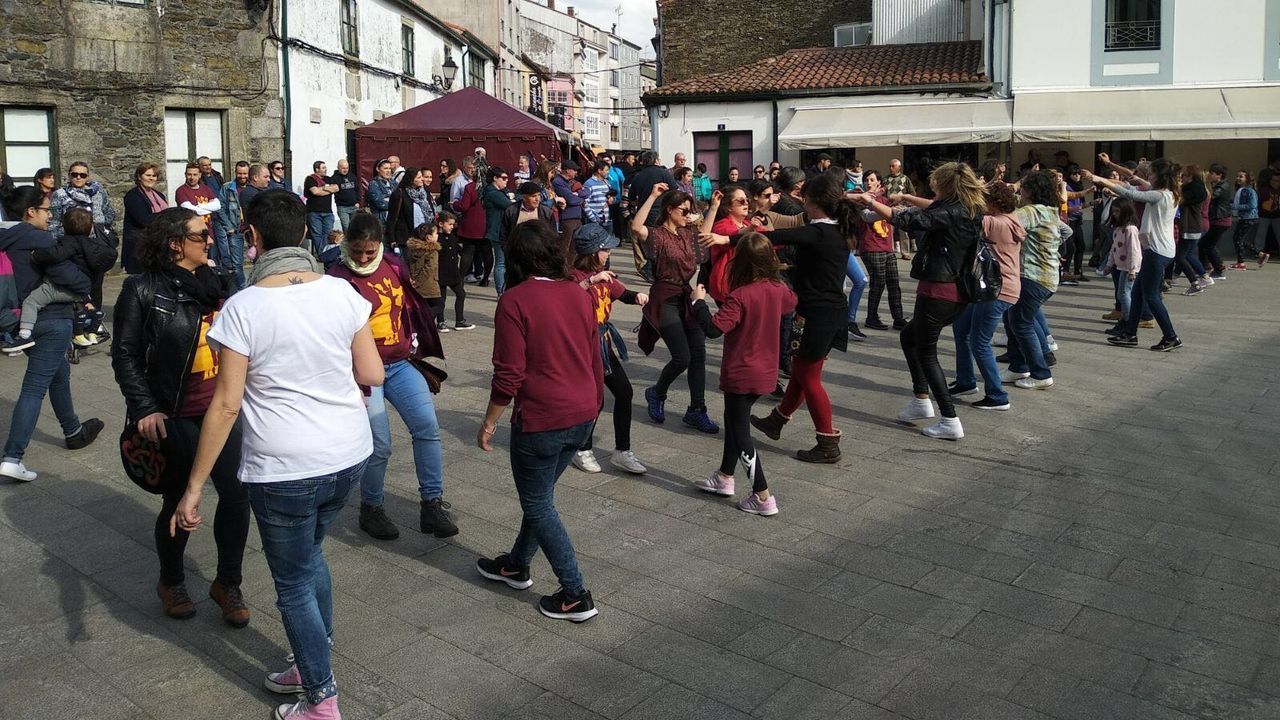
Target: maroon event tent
452,127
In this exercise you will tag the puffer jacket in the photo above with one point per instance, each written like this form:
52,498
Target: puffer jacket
948,234
18,241
157,331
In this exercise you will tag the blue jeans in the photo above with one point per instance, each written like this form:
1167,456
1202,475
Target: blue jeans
973,329
47,372
1026,353
235,247
858,276
537,460
319,225
407,391
1124,288
293,517
345,213
1188,258
221,253
1145,296
499,267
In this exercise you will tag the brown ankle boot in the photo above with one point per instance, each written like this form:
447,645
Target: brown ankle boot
772,425
175,601
234,612
826,451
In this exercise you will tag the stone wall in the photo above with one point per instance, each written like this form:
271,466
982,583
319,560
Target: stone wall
110,71
696,40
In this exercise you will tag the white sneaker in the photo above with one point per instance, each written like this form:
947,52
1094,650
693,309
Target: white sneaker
916,409
1009,377
1206,281
16,471
1053,344
585,460
945,429
626,460
1030,383
1000,339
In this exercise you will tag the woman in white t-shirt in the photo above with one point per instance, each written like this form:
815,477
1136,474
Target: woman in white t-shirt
295,378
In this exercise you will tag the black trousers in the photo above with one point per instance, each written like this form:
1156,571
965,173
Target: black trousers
1073,249
688,347
476,255
230,519
459,302
737,440
920,346
883,269
619,386
1209,255
1242,238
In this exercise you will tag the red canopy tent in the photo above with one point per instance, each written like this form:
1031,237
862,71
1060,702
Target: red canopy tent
452,127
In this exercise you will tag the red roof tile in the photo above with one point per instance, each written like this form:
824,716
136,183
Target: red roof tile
830,68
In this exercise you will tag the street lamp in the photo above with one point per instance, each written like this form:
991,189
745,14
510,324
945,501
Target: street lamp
450,71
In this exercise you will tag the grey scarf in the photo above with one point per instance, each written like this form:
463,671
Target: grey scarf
283,260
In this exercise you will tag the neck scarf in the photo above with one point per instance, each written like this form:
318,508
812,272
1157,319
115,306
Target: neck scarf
85,197
283,260
422,199
157,201
357,268
201,284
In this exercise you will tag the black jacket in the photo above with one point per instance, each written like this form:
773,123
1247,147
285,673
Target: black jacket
399,218
512,214
19,241
157,330
948,234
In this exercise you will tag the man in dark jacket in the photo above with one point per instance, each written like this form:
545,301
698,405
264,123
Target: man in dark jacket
47,367
496,201
530,207
570,190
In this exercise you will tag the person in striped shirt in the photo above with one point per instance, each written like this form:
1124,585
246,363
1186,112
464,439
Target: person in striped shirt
597,203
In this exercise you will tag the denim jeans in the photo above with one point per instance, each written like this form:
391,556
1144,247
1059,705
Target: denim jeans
1124,287
235,247
345,213
537,460
858,276
973,329
1146,295
1026,353
293,517
1189,259
407,391
499,267
221,251
47,372
318,226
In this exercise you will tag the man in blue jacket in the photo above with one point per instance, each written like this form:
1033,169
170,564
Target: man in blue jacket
570,190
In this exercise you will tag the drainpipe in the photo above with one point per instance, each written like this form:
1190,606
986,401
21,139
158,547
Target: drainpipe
775,128
284,84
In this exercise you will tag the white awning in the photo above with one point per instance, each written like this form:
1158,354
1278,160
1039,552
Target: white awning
1173,114
881,125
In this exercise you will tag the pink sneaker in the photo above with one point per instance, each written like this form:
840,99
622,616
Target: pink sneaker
756,506
288,682
303,710
716,483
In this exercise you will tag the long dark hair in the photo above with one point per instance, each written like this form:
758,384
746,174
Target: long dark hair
533,250
410,174
1123,212
154,253
827,192
753,260
672,200
1164,176
18,200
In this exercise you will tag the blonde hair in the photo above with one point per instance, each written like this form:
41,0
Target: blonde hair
957,181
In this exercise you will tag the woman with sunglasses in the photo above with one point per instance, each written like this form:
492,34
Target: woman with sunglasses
166,372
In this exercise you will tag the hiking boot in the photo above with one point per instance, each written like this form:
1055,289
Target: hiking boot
89,430
827,451
563,606
772,425
501,569
234,610
657,405
700,421
176,601
434,519
375,523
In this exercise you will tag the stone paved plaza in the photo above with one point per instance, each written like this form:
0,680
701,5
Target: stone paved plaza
1110,548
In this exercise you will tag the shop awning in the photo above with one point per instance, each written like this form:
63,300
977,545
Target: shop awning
912,123
1174,114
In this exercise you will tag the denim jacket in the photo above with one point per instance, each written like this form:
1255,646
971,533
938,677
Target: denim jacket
1245,204
379,197
229,216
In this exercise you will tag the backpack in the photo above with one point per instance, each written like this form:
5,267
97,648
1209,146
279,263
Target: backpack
980,278
99,250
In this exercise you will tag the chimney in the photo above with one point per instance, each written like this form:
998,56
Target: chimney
569,11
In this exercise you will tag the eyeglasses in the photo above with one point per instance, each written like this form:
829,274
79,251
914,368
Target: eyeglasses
501,177
45,208
82,176
685,211
201,237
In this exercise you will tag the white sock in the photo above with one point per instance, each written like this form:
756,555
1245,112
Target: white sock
24,334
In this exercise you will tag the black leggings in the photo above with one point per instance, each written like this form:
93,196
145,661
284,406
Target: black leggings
230,519
1243,239
1073,249
920,346
737,440
1209,255
473,249
688,347
459,302
620,387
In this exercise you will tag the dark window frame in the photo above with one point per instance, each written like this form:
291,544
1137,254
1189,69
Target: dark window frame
349,27
51,143
1130,25
408,50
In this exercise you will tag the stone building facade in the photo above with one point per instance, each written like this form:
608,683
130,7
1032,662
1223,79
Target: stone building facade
120,82
692,42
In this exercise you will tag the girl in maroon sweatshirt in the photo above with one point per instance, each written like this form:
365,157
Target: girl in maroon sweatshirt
749,320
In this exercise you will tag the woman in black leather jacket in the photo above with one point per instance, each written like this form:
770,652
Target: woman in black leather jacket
166,371
951,226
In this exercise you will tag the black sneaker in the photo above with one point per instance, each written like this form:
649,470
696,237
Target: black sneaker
855,333
875,324
1166,345
899,324
563,606
987,403
442,327
376,524
503,570
464,325
955,390
17,346
434,519
1003,358
1114,331
89,430
1123,341
1050,359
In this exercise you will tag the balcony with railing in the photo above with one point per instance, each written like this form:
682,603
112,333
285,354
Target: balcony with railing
1133,35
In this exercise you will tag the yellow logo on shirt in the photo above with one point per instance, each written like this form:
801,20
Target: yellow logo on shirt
385,320
205,361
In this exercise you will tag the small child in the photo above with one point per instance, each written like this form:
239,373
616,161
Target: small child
332,253
450,274
93,258
748,319
423,253
1125,259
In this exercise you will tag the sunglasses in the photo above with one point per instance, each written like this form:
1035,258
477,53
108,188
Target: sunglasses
202,237
740,201
82,176
277,167
45,208
685,211
760,171
502,177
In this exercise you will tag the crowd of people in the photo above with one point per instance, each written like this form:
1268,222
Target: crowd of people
224,380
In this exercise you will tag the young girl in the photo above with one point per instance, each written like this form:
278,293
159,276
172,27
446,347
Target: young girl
423,249
1125,259
450,275
748,318
603,286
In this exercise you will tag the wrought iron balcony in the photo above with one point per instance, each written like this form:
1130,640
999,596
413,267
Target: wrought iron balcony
1133,35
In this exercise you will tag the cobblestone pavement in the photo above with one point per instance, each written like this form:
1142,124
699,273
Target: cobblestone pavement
1107,549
